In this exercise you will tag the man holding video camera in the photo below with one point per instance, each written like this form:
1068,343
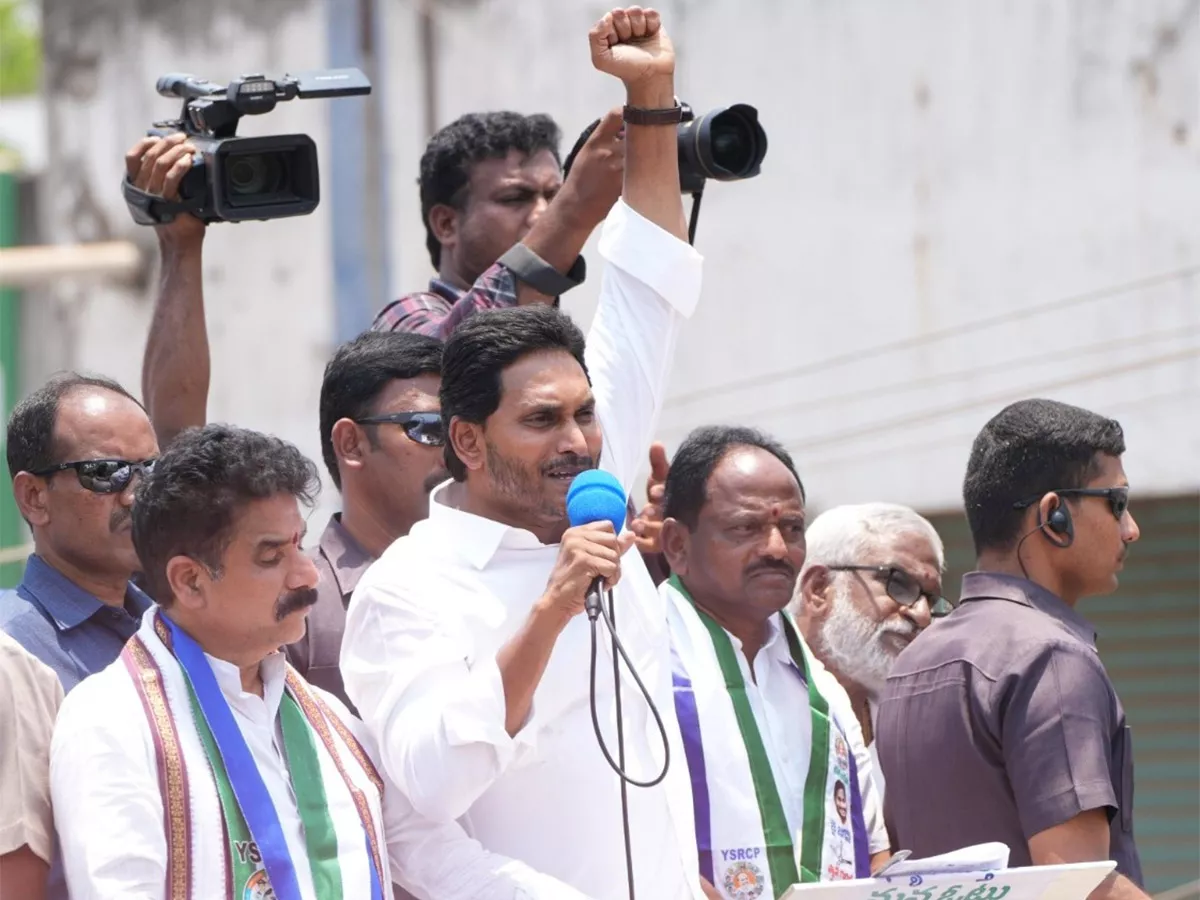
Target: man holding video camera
491,184
488,181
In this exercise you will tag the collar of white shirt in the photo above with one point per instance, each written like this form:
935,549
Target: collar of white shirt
774,648
273,672
476,538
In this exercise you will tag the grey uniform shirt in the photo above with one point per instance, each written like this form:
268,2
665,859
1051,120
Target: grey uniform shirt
341,560
1000,722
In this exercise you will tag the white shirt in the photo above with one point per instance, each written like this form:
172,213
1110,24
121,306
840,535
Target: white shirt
428,618
873,749
109,811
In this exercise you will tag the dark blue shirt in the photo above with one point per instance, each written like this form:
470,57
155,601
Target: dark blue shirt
64,626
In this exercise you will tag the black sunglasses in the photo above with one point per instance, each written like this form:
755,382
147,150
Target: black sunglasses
102,476
423,427
1118,498
902,587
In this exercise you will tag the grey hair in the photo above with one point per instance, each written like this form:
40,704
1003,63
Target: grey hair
843,535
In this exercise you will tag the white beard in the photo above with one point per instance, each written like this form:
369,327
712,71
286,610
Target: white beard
854,643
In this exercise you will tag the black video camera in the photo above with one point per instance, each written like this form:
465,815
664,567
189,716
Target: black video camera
240,178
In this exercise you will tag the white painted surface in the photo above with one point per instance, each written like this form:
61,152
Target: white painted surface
931,164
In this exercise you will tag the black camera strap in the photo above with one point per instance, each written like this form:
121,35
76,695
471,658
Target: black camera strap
151,209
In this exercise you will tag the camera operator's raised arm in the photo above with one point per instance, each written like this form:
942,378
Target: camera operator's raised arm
176,366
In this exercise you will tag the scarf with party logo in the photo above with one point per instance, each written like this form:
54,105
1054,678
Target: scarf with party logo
748,848
223,833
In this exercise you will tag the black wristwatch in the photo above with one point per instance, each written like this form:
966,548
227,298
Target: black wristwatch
539,274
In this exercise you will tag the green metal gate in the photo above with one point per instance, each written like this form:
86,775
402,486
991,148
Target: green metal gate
1149,639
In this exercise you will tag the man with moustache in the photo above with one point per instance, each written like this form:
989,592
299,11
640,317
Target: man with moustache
200,764
464,649
870,583
76,449
1009,693
769,748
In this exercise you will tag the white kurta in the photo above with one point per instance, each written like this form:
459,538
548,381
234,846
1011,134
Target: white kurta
779,701
109,811
426,621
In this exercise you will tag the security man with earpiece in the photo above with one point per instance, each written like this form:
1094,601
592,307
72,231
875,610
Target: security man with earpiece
1008,694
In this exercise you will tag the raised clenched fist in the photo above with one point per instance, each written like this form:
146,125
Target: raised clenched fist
631,44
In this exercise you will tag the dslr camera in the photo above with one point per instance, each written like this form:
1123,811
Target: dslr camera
233,178
724,144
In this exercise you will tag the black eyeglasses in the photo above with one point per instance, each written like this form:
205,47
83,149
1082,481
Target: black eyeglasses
102,476
902,587
422,427
1118,498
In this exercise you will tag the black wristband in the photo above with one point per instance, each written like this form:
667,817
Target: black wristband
539,274
637,115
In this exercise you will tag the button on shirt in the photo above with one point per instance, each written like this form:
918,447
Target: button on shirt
340,560
64,626
426,622
1000,722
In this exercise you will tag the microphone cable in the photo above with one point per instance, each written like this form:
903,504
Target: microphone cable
597,607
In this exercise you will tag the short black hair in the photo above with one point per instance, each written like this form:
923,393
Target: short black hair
30,440
451,154
1028,449
483,347
359,371
189,503
697,458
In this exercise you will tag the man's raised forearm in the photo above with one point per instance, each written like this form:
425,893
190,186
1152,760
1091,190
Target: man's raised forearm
176,367
557,237
652,159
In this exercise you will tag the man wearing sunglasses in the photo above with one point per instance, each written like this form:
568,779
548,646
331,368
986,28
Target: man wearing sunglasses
381,440
76,449
870,584
1009,693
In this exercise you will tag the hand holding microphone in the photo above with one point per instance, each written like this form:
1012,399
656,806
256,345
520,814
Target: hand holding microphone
595,508
589,557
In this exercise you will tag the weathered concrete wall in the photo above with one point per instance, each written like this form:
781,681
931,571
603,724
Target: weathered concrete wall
268,285
931,164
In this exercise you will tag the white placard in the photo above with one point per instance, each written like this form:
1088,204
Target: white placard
1067,882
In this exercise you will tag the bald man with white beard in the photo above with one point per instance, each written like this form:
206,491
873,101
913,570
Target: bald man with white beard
871,582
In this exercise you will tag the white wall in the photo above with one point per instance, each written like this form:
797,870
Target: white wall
268,285
931,164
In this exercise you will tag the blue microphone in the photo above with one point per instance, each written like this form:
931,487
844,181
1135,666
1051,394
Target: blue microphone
595,496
